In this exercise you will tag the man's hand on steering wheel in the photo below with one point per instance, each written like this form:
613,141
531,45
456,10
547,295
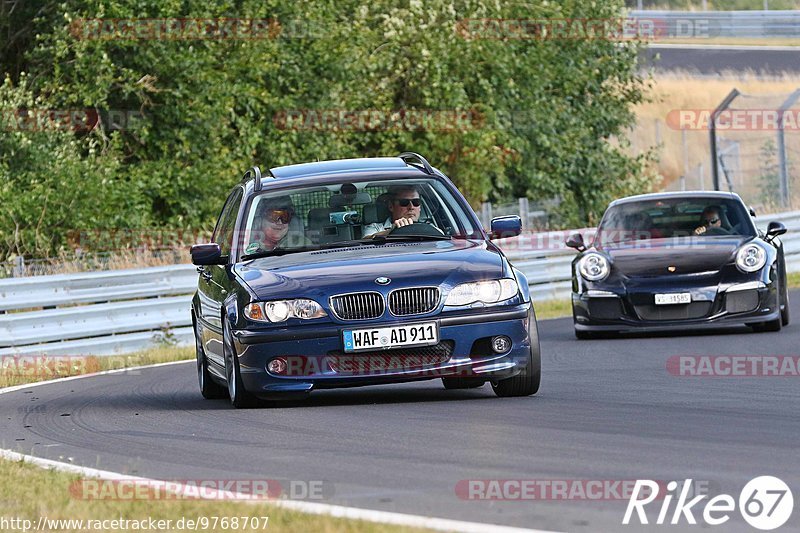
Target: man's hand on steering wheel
400,222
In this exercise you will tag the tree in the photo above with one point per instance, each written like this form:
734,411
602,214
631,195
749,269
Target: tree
501,113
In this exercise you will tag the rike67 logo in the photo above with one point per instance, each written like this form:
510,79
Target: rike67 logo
765,503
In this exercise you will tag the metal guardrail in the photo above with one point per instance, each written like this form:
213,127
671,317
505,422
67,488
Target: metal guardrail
109,312
706,24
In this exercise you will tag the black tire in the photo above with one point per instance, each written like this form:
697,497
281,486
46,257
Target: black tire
462,383
772,325
785,316
527,382
240,398
585,335
209,388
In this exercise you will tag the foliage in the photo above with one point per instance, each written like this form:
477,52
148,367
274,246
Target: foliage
547,116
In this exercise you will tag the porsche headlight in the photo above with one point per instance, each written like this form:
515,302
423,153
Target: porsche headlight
594,267
482,291
282,310
751,258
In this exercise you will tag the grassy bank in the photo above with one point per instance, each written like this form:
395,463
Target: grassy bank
28,492
16,370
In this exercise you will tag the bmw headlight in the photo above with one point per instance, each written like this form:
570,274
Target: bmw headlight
282,310
751,258
482,291
594,267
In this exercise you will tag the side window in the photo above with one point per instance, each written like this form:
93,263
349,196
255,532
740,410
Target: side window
223,233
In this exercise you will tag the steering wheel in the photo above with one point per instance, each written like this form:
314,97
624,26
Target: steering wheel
417,228
716,231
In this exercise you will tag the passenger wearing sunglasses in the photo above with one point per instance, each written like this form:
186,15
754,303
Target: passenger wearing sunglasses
711,222
274,215
404,209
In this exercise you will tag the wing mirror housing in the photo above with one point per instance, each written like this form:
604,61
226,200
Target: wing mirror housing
505,227
207,254
576,241
774,229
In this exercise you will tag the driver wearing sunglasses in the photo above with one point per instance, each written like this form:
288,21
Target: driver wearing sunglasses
404,209
711,220
271,224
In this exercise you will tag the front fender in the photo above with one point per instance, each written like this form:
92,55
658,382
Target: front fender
522,281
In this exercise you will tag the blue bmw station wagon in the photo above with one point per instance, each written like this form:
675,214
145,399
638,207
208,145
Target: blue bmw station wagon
358,272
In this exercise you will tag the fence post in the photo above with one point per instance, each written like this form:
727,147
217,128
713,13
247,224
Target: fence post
523,213
19,267
486,214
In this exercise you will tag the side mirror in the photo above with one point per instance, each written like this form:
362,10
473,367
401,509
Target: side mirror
505,227
774,229
207,254
576,241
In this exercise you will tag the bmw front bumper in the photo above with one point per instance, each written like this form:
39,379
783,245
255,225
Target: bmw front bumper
316,359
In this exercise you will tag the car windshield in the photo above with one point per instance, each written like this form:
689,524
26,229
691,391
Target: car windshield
669,218
351,213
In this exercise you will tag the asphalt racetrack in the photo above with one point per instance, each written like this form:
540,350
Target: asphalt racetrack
711,60
608,410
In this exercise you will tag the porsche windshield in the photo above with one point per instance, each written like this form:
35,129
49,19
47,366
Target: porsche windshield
350,214
678,217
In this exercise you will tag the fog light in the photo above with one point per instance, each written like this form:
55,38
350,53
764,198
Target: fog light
277,366
501,344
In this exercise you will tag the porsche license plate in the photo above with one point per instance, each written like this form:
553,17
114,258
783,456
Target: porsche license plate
424,334
674,298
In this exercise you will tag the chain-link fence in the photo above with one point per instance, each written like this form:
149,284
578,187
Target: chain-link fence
536,216
755,142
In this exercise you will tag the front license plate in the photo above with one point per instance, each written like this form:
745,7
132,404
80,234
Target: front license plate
674,298
356,340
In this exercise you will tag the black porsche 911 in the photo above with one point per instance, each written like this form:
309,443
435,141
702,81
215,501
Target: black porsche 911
682,260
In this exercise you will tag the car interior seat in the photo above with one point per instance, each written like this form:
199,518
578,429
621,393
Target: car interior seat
318,218
378,211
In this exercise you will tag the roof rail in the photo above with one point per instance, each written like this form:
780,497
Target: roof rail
413,155
255,174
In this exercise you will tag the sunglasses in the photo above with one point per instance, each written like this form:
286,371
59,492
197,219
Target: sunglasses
712,220
282,216
403,202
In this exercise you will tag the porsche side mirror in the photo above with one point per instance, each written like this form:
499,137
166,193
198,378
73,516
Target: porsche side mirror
505,227
774,229
576,241
207,254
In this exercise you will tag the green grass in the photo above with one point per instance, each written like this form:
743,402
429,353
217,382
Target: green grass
552,309
28,492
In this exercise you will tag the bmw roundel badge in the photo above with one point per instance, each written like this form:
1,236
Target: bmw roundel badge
382,281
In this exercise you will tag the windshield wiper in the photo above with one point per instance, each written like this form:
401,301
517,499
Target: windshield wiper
384,238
